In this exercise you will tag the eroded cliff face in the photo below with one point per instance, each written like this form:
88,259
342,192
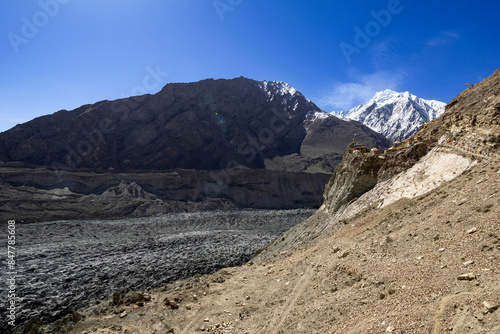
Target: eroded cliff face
358,173
37,194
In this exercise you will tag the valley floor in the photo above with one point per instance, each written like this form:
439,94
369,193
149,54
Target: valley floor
426,265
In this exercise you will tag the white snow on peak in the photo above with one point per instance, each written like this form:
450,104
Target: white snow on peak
273,88
320,115
314,116
287,95
395,115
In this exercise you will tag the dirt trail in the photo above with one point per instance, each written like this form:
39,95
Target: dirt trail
281,314
442,305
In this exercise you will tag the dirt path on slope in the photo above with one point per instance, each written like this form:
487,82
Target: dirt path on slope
442,305
282,313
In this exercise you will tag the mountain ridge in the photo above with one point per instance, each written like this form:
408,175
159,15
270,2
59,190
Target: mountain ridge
396,115
209,125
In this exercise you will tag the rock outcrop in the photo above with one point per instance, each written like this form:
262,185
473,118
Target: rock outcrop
358,173
472,118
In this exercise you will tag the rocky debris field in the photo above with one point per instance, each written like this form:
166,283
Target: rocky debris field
64,265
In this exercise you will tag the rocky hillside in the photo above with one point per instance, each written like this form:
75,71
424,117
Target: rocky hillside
396,115
414,249
472,118
206,125
423,265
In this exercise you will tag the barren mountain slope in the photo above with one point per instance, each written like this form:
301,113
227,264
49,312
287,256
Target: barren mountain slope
205,125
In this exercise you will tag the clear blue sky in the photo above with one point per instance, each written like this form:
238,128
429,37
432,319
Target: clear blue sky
60,54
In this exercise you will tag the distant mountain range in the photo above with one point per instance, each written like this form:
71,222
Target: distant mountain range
206,125
396,115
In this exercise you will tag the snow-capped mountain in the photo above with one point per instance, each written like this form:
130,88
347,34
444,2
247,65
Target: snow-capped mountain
396,115
289,96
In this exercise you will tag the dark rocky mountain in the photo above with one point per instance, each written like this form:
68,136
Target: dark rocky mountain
213,144
207,125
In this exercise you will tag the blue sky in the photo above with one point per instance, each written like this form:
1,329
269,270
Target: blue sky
60,54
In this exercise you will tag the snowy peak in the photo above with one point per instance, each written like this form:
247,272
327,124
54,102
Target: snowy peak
395,115
289,96
277,87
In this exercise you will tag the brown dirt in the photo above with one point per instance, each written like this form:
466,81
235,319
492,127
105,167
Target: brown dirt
395,270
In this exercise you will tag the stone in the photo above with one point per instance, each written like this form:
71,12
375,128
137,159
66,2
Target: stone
123,314
119,309
133,297
343,255
468,263
467,277
336,250
171,303
472,230
159,327
220,279
491,306
479,316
